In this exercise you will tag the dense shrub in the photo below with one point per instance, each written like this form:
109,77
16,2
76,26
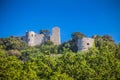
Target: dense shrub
102,62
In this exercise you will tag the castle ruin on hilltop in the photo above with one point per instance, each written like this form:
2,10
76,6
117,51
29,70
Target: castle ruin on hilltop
85,43
34,39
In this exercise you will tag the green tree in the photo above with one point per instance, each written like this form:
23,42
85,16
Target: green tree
117,53
59,76
76,35
12,43
46,33
72,44
10,68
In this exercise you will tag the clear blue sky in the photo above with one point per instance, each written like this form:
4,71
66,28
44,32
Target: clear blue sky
90,17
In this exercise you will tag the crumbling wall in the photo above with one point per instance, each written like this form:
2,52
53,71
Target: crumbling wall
85,43
33,39
55,37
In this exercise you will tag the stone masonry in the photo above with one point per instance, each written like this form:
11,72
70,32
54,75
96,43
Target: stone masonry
85,43
34,39
55,35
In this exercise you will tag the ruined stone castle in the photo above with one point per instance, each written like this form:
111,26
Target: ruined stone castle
34,39
85,43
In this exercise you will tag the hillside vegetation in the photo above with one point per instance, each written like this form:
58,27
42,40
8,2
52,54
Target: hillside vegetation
51,62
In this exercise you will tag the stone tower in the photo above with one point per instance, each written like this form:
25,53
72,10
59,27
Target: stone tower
33,39
85,43
55,37
30,38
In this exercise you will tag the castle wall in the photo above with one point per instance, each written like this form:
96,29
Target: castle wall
30,38
33,39
39,39
85,43
23,38
55,37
